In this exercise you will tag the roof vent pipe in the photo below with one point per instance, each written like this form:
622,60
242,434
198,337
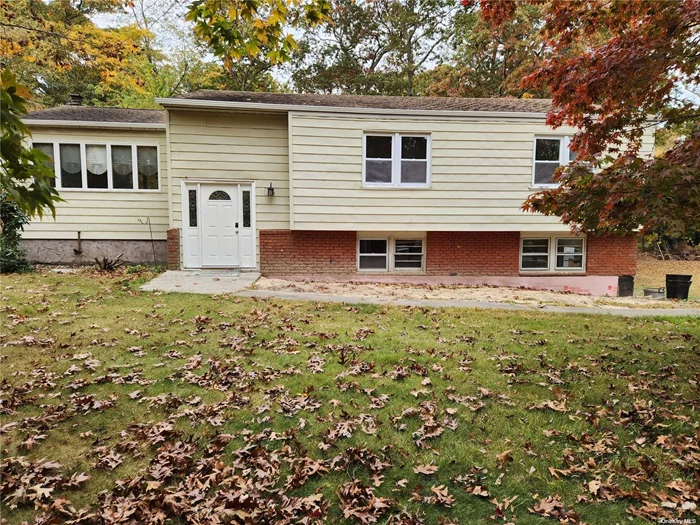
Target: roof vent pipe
75,100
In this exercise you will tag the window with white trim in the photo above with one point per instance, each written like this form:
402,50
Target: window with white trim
396,160
550,153
534,254
92,166
373,254
390,254
47,148
569,254
547,254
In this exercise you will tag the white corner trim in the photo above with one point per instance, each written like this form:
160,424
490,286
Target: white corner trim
93,124
185,103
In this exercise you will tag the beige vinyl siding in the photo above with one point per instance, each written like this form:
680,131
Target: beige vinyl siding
105,214
231,147
481,172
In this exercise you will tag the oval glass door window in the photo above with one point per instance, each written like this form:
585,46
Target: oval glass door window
219,195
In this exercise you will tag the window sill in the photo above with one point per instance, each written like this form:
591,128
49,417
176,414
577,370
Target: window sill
389,187
104,190
543,187
549,273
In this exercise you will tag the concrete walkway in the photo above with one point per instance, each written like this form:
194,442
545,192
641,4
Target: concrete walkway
202,281
451,303
238,283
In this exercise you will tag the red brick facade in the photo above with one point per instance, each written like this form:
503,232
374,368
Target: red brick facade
285,252
472,253
611,255
173,242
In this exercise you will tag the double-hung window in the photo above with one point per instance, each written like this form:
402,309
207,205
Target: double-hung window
48,149
390,254
550,153
546,254
103,166
396,160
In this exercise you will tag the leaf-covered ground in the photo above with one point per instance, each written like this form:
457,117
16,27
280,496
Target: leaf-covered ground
120,406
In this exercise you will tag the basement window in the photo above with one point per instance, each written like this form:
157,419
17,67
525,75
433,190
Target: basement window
390,254
550,254
373,254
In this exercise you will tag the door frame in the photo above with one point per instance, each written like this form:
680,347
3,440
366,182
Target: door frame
198,185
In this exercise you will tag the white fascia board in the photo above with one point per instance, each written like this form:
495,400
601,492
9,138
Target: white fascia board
93,124
183,103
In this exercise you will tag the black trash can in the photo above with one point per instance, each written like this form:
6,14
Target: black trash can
625,286
677,286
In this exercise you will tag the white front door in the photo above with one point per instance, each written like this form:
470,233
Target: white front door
220,245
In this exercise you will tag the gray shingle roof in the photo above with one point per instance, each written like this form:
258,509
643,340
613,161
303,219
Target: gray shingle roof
97,114
377,102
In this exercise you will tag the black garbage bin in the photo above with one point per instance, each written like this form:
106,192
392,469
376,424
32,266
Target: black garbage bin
625,286
677,286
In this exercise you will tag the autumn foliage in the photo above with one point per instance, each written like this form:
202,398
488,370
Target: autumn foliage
618,68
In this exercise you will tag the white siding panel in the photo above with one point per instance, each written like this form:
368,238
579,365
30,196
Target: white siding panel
481,172
105,214
210,146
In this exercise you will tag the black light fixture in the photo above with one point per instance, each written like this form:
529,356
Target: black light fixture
270,191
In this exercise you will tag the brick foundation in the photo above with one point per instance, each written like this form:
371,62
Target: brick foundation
611,255
285,252
472,253
173,243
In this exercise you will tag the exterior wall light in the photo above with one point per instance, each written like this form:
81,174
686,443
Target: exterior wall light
270,191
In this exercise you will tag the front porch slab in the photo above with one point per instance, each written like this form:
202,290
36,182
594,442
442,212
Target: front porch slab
202,281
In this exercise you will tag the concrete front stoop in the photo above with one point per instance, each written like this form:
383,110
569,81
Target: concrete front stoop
202,281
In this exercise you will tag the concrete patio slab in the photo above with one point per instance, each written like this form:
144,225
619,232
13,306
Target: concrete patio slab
202,281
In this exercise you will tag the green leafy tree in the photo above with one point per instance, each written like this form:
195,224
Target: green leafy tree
234,30
490,64
375,47
25,174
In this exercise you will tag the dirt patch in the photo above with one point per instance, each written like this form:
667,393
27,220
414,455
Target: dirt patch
651,273
462,293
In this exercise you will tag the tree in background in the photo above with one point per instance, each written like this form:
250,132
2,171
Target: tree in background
56,49
485,63
636,64
236,31
376,47
26,176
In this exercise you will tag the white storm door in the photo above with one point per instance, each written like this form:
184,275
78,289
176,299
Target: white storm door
220,244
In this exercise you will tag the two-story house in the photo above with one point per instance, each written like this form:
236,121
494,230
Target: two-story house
303,185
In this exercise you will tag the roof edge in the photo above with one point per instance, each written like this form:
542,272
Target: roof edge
94,124
185,103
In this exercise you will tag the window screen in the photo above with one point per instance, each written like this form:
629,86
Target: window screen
71,166
373,254
535,254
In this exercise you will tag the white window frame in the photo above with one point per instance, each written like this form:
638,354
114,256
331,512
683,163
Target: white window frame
396,160
583,255
57,141
564,141
386,255
552,254
391,252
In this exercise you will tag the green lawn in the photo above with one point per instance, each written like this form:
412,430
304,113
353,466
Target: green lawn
194,409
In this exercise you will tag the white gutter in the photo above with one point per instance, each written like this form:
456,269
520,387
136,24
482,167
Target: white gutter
185,103
93,124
